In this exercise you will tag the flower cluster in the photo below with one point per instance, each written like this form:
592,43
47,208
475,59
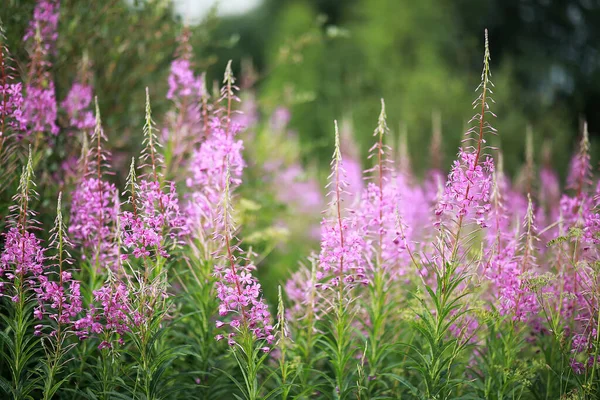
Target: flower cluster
240,296
238,291
114,315
207,168
77,106
92,209
468,190
342,258
23,255
40,108
11,107
183,84
44,24
156,217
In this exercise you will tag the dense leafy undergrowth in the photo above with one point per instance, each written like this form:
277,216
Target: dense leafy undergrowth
460,286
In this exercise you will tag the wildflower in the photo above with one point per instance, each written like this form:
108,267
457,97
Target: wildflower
93,211
468,188
22,255
22,260
45,24
186,123
155,216
11,107
341,260
237,290
11,93
207,164
60,298
39,109
77,104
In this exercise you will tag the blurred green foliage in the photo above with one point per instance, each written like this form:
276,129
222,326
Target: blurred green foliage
416,56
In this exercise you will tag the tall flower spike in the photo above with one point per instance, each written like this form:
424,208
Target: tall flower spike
40,107
341,260
22,212
61,299
92,211
238,291
467,191
228,96
150,157
580,172
526,302
378,150
22,255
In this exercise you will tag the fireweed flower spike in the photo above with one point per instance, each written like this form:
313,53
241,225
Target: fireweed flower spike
59,299
59,294
92,208
512,264
380,202
154,222
21,261
575,209
444,315
342,266
341,260
240,298
187,92
40,101
238,291
21,265
468,189
207,164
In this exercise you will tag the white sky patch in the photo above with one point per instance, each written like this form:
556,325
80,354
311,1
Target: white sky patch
194,10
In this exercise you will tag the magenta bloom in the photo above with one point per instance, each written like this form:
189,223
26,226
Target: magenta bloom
468,190
114,315
11,107
60,300
77,105
22,255
155,219
183,83
92,213
207,174
343,247
44,21
240,297
40,108
342,254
